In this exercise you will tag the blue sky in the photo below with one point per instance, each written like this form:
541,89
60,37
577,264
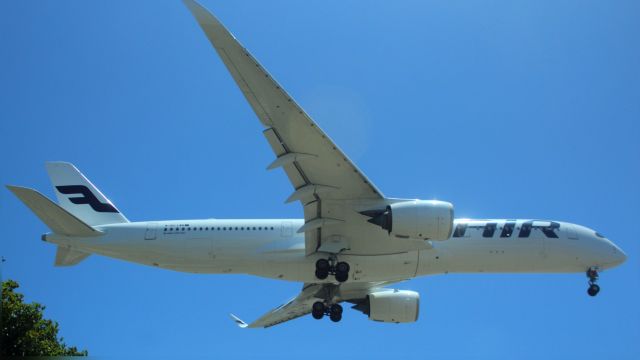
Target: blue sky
524,109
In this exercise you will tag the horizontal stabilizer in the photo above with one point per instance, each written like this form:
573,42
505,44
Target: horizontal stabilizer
56,218
69,257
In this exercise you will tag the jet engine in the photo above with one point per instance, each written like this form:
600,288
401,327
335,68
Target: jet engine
394,306
416,219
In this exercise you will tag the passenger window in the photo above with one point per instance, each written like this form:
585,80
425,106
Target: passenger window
489,229
525,230
254,228
507,230
460,230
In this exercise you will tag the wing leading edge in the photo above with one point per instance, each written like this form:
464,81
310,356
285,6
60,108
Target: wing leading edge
315,166
292,309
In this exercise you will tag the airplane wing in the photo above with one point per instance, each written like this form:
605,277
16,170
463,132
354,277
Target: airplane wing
302,303
292,309
323,177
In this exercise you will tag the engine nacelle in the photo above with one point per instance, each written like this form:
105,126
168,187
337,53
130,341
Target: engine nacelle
395,306
416,219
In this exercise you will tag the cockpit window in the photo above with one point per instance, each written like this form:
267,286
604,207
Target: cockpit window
489,229
507,230
549,231
525,230
599,235
460,230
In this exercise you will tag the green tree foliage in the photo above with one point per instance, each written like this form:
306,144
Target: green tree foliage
25,332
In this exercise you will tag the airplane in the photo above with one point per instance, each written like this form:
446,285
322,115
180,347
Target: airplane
353,242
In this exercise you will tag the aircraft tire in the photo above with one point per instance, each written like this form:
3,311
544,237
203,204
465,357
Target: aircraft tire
323,265
342,267
342,277
322,274
335,317
317,310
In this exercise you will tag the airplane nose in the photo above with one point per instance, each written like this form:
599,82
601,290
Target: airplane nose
610,254
618,256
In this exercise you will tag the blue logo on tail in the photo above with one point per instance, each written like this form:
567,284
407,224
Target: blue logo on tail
86,198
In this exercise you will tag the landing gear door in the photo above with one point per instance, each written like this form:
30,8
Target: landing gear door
150,233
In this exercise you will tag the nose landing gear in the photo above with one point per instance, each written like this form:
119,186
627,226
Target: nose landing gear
319,310
324,267
593,289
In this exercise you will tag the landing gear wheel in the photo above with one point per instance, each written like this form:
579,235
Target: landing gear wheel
317,310
322,274
326,267
335,317
342,277
336,308
593,290
322,264
593,275
322,269
342,267
342,271
335,313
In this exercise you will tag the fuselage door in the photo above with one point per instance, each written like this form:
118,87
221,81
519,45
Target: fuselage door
150,234
287,229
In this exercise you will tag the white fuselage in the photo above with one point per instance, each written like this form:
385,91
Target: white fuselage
273,249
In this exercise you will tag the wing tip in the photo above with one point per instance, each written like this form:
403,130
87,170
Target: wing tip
196,8
12,187
241,324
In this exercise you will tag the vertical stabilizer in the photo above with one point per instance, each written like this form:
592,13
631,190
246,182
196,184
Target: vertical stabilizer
80,197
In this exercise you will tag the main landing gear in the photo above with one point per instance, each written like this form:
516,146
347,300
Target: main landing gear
319,310
593,289
324,267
